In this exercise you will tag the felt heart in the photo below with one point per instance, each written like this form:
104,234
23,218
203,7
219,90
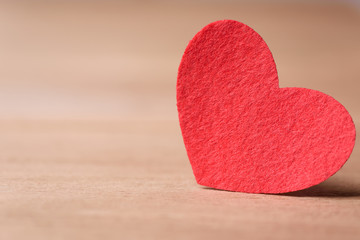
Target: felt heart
244,133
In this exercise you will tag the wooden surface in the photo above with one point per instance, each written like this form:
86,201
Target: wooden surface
90,146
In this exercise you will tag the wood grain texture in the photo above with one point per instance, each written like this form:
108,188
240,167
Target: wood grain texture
90,145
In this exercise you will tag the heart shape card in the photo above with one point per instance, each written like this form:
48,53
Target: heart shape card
244,133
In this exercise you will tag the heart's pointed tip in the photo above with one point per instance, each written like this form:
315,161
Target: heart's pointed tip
251,189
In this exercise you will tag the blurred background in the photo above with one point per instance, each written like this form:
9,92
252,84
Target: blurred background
119,59
90,144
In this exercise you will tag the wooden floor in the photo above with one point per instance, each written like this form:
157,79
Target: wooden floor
90,145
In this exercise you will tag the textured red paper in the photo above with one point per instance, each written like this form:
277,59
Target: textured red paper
244,133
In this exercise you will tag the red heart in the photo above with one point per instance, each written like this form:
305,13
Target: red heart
244,133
